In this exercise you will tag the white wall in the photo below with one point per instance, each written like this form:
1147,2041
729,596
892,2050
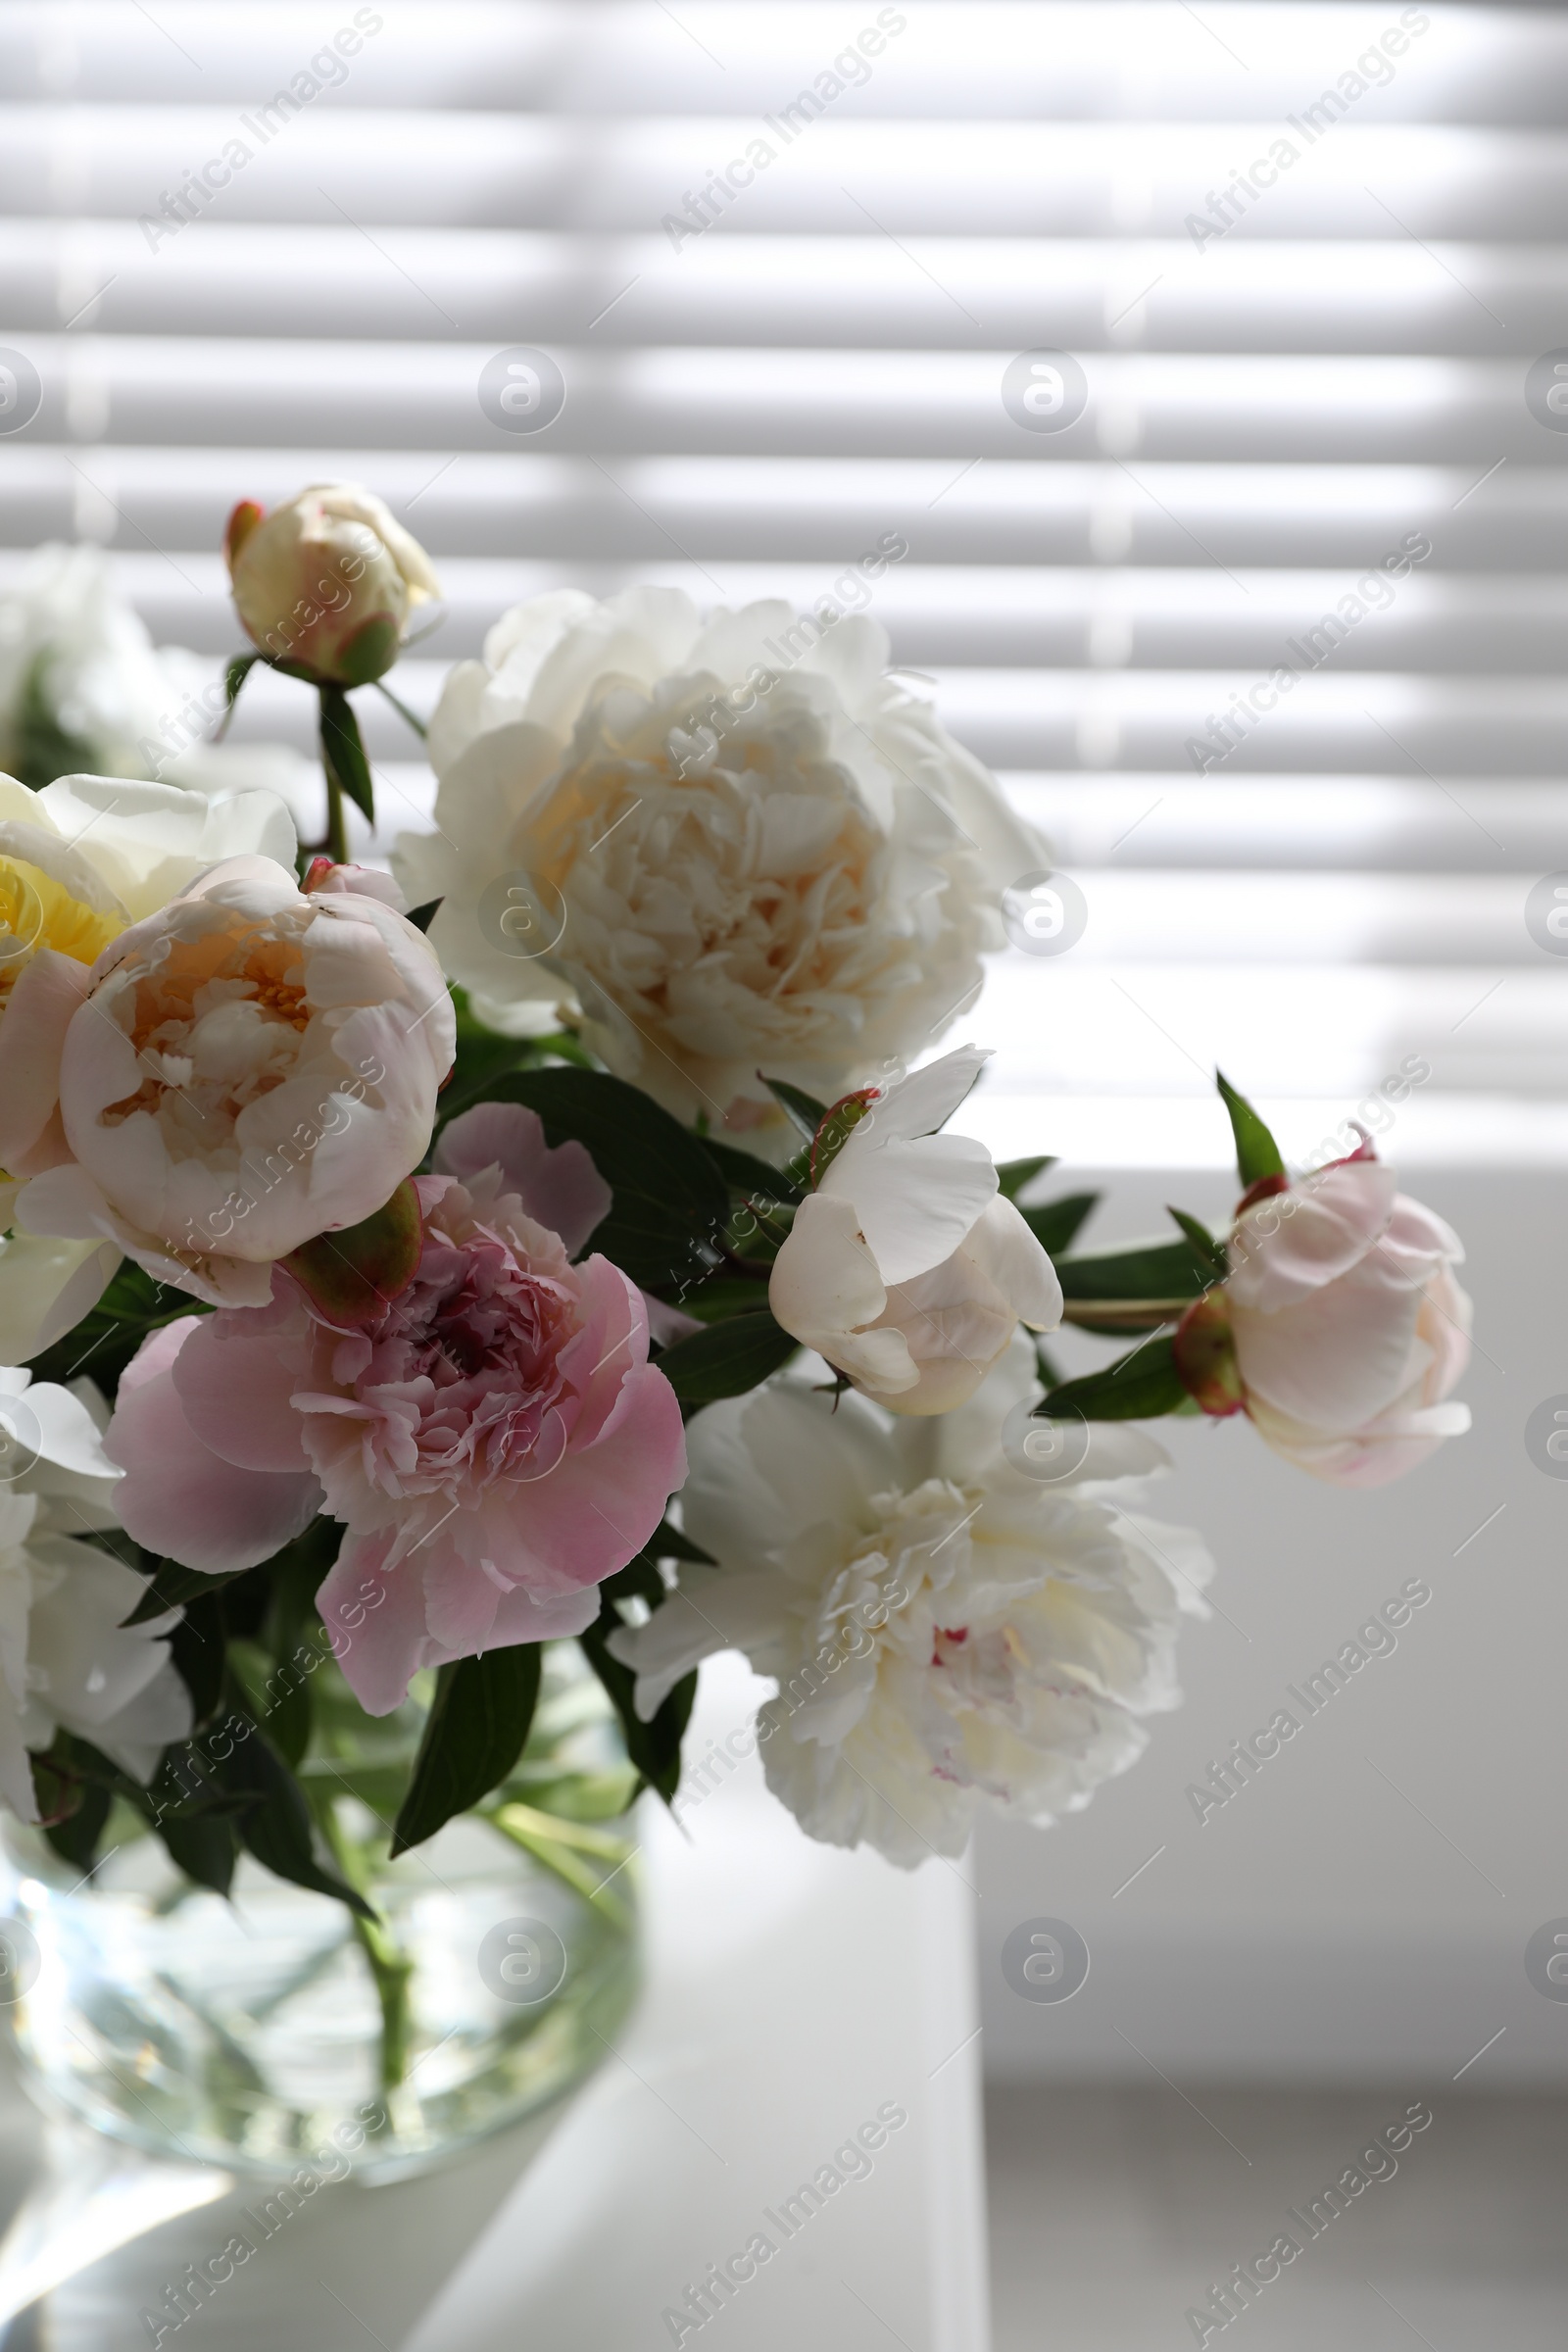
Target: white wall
1320,1926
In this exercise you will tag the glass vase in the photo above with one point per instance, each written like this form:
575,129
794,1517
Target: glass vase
271,2027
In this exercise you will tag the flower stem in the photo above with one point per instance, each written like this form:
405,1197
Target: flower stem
337,839
390,1967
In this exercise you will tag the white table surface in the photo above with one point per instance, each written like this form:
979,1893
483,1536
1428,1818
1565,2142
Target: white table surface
792,1991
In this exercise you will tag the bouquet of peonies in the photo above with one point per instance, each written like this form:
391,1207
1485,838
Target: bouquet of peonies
557,1238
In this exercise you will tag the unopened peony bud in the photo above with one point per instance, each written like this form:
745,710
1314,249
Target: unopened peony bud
327,582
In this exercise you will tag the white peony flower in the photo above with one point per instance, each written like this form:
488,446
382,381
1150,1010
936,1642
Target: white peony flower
250,1066
906,1268
80,862
67,1659
83,687
328,580
1348,1327
945,1629
729,846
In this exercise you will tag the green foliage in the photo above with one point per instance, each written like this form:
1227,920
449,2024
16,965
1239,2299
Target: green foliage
38,749
670,1202
1014,1174
343,751
803,1110
727,1359
1257,1154
1054,1223
474,1736
1139,1387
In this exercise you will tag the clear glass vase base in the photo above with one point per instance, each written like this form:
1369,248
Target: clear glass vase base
249,2032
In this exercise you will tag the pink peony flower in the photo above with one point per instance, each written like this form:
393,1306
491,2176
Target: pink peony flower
248,1067
494,1441
1344,1323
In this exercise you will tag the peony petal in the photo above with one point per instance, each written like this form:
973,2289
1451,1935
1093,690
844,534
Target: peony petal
914,1202
824,1280
560,1189
179,1498
236,1392
375,1618
50,989
1290,1245
1007,1253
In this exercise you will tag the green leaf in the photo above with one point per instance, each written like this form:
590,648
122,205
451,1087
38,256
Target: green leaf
234,677
483,1055
749,1176
804,1110
669,1542
1257,1154
273,1820
203,1845
1014,1174
352,1273
727,1359
421,917
474,1736
172,1586
654,1748
1054,1223
1153,1270
1139,1387
37,744
197,1647
343,751
74,1836
1205,1245
670,1202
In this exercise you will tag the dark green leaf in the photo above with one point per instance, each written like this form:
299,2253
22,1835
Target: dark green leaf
753,1178
343,751
727,1359
482,1057
1257,1154
234,677
804,1110
275,1823
474,1734
720,1297
421,917
1157,1270
1205,1246
839,1122
38,746
172,1586
203,1845
197,1645
1138,1387
669,1542
1014,1174
670,1202
75,1836
1054,1223
654,1748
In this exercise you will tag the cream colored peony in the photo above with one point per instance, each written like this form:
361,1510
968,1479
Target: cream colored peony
946,1631
906,1268
328,580
731,846
248,1067
67,1657
80,862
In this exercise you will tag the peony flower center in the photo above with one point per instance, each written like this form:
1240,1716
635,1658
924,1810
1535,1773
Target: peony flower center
37,912
215,1021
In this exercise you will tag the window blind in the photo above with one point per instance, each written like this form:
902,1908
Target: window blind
796,265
